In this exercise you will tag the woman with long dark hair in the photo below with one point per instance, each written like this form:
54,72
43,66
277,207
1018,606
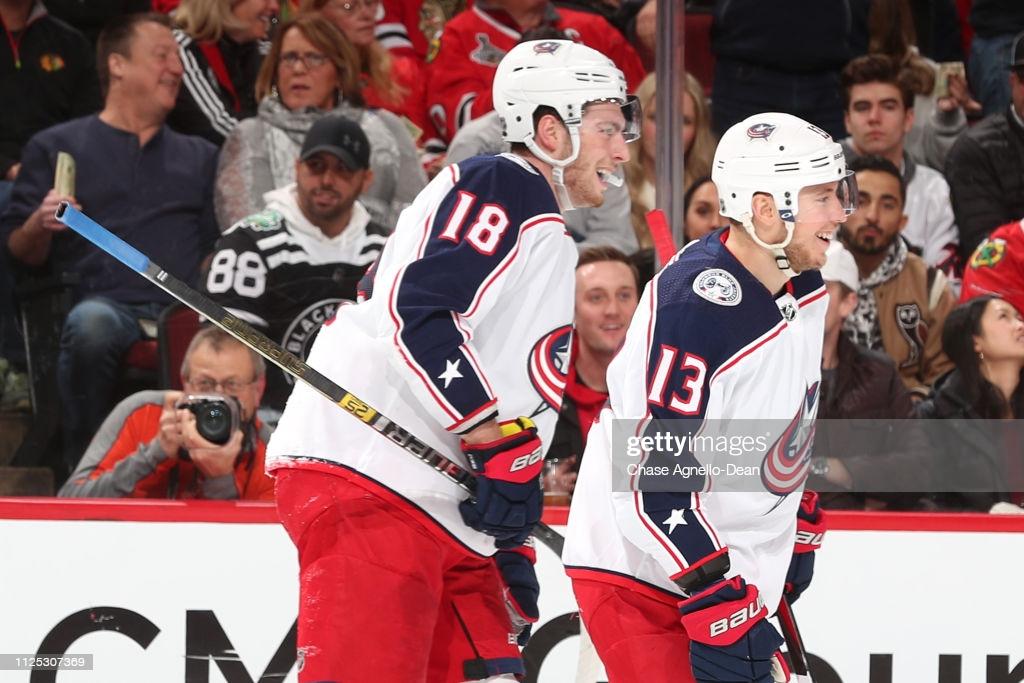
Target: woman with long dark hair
984,337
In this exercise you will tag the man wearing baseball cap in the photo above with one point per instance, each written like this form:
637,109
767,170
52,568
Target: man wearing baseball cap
985,167
859,384
286,269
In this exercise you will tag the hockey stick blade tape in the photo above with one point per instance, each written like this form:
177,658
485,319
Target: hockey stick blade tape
102,238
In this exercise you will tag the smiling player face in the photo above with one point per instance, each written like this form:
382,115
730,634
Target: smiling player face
602,149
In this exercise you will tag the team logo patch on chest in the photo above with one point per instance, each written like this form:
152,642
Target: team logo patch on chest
718,287
549,366
299,335
989,253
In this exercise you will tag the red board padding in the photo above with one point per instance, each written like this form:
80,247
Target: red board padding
225,512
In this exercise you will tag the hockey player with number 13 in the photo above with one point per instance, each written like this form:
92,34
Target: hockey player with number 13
677,585
402,578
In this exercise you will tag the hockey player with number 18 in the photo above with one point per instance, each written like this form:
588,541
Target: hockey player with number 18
401,576
676,585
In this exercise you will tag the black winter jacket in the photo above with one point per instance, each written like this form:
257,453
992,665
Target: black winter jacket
985,170
970,453
47,76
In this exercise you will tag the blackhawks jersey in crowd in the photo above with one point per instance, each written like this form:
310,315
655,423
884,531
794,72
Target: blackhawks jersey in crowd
470,298
709,350
997,266
475,40
282,275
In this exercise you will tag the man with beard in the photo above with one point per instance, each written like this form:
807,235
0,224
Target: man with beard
286,269
902,301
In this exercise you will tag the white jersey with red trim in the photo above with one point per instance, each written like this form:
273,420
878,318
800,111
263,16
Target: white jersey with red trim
466,298
708,342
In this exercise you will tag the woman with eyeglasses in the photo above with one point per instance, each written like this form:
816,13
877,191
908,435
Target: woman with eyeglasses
219,43
311,70
387,80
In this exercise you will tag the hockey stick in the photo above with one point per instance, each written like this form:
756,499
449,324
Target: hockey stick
794,643
661,235
243,332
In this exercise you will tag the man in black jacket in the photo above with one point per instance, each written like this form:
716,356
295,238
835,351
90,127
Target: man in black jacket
861,458
47,75
985,168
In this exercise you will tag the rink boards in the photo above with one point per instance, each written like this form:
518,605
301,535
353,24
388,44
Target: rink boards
199,591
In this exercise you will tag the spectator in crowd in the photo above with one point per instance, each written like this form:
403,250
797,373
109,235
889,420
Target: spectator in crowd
879,111
975,464
90,16
757,71
855,466
698,150
47,75
476,39
286,269
394,82
151,446
997,266
939,117
902,301
311,70
985,167
145,182
412,28
607,293
700,207
220,43
605,225
996,23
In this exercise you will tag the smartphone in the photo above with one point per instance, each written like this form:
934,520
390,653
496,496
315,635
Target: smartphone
64,176
947,69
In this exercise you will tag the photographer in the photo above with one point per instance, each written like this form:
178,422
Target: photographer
205,442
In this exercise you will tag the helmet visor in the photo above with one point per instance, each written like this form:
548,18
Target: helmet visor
828,202
632,117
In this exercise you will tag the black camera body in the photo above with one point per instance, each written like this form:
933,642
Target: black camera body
217,416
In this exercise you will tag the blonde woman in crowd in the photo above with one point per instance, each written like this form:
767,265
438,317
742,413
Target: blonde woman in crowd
698,148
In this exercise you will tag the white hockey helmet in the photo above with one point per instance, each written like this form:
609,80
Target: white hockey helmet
565,76
778,154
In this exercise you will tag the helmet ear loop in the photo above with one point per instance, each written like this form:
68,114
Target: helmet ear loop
778,249
558,166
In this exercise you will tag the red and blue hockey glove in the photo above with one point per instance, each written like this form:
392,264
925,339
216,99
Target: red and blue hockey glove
810,530
508,500
730,638
522,590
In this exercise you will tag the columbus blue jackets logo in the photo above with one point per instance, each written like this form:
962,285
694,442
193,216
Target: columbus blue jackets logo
546,47
760,131
549,366
718,287
300,333
785,465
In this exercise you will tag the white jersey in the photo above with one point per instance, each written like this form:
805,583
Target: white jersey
465,303
708,342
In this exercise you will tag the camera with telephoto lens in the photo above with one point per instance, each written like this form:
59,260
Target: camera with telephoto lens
217,417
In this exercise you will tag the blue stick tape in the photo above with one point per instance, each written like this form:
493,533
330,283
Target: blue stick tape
103,238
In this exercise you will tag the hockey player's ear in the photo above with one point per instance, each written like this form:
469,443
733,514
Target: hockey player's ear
763,208
551,134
